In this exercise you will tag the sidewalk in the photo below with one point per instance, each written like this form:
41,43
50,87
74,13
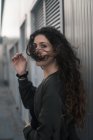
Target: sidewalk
11,125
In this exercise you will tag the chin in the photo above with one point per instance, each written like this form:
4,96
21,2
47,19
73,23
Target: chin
39,63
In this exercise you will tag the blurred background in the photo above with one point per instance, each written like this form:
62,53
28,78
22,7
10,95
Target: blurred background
18,19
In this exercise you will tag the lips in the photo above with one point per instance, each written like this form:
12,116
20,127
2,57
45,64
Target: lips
38,57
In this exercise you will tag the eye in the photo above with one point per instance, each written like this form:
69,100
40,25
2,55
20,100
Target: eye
43,46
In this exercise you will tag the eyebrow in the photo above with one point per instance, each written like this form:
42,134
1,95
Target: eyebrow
42,42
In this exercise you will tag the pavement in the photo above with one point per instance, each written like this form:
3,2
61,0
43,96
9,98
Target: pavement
11,125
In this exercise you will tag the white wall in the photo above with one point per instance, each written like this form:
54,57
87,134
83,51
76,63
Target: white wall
11,18
15,12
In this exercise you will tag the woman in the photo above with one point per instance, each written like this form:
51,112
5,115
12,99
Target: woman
58,104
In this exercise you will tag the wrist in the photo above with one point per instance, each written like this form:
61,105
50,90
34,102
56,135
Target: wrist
21,73
22,76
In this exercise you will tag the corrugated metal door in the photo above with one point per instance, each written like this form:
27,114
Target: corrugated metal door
37,16
47,12
23,35
53,13
79,30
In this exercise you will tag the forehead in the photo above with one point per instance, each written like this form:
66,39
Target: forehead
40,38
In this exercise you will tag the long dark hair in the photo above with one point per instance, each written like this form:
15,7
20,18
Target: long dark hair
69,66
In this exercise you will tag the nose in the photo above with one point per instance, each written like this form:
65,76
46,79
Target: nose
38,48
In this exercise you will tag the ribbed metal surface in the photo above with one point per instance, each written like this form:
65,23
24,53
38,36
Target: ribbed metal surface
51,17
79,31
53,13
38,16
23,35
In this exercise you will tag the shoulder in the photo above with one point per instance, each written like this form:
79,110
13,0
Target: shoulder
53,83
52,87
53,80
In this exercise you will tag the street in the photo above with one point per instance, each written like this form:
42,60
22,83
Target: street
11,125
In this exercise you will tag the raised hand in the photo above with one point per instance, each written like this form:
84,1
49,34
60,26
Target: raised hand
19,63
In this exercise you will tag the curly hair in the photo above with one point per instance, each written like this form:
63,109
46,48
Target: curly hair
69,67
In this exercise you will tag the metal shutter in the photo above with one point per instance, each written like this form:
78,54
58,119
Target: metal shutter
23,35
53,13
38,16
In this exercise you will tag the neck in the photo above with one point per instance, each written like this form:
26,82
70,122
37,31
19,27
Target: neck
50,69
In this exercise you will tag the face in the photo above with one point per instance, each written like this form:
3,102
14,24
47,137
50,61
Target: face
44,49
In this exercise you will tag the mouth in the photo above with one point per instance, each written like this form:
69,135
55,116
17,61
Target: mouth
39,57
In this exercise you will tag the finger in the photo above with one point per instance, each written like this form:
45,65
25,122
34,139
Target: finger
14,61
17,56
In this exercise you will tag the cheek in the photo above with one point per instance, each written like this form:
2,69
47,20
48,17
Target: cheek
44,53
47,52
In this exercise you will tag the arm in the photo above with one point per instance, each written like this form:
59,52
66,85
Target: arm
26,88
48,118
27,91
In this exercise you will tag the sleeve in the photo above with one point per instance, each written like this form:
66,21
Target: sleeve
27,91
49,117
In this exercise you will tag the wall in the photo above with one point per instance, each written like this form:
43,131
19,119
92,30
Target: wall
79,30
15,13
